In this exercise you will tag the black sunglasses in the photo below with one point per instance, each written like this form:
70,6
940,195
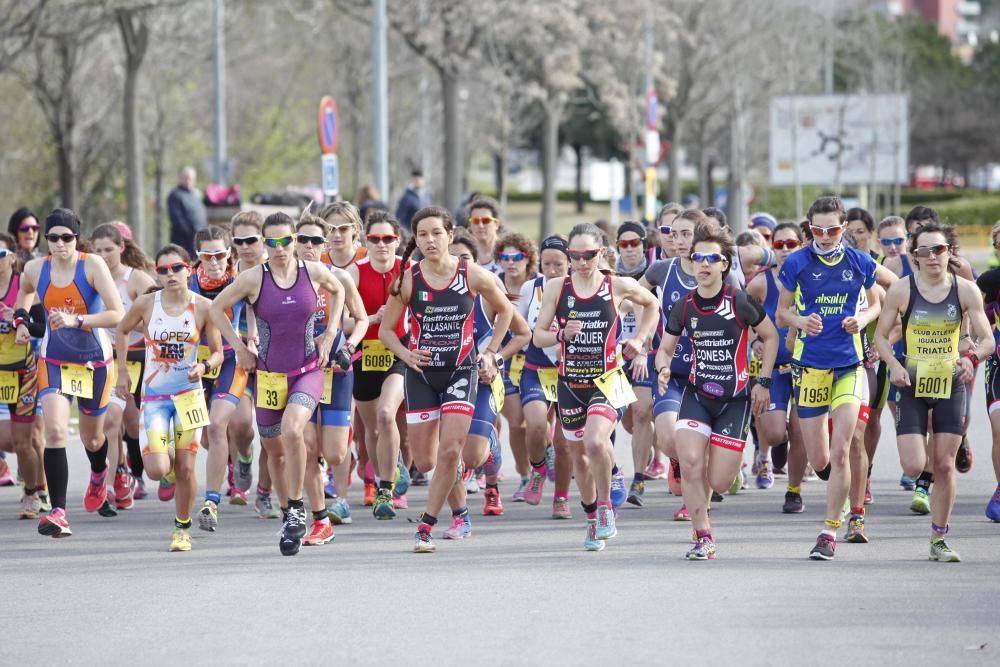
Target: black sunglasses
313,240
65,238
245,240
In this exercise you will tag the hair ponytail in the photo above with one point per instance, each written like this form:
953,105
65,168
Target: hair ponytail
410,247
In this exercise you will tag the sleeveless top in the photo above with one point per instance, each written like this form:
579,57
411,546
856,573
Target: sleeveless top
931,331
374,288
171,350
907,271
594,351
72,345
771,308
321,321
285,317
236,314
530,305
135,340
482,328
674,287
442,321
12,354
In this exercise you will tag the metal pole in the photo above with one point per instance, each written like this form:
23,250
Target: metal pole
380,130
219,162
828,63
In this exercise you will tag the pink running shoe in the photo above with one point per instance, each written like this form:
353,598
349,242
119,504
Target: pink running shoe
461,528
140,489
54,524
656,469
560,508
124,490
536,485
166,491
400,502
97,492
682,514
674,477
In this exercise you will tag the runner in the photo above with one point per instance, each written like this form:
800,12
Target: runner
81,303
586,332
441,376
714,416
174,320
485,224
289,383
989,285
664,219
933,383
748,259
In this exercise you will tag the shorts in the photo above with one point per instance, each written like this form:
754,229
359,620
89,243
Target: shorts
531,387
650,373
881,386
305,389
509,388
577,401
50,382
430,394
725,423
160,422
22,408
231,383
948,413
670,400
134,356
847,387
338,411
781,389
368,384
484,417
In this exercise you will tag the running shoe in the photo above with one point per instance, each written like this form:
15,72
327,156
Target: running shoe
993,507
292,531
824,549
744,478
44,504
592,542
54,524
5,476
793,503
140,489
518,496
417,478
703,549
340,512
756,462
856,530
907,483
536,485
618,491
635,491
480,478
30,507
963,458
461,528
181,540
674,478
166,490
682,514
330,488
717,497
940,551
208,516
321,533
606,523
921,503
243,475
471,485
493,506
382,506
656,469
765,478
107,510
869,498
399,501
265,508
780,472
560,508
550,463
423,543
369,493
239,497
97,492
124,486
230,480
402,484
810,474
734,488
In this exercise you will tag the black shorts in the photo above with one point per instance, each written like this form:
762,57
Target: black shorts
948,416
368,384
725,423
430,394
579,400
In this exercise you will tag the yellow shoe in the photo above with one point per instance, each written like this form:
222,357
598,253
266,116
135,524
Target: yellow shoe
181,540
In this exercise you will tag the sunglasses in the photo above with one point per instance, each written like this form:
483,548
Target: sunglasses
382,239
927,251
787,243
584,255
343,229
209,255
893,241
306,239
279,242
481,221
4,252
629,243
245,240
512,256
666,229
164,269
828,232
65,238
28,228
710,257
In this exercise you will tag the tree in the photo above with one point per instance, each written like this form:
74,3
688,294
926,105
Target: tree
135,36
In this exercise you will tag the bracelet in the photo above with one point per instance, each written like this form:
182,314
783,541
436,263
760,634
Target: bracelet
208,369
662,368
560,338
973,357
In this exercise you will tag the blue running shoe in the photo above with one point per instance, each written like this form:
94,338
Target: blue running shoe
993,508
330,488
606,523
382,508
495,460
591,543
550,463
403,479
907,483
340,512
461,527
619,492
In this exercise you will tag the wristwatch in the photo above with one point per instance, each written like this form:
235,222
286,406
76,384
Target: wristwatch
79,321
763,381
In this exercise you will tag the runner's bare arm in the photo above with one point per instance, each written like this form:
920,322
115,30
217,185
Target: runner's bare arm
97,270
542,336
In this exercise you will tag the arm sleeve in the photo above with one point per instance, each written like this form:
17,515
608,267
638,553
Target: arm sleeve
748,310
37,326
675,323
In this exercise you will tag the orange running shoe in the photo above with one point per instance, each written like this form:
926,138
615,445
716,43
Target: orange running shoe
321,533
369,494
493,506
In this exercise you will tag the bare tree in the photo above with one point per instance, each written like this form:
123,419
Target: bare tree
134,30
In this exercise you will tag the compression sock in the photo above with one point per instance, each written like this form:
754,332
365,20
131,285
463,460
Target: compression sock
99,459
134,455
57,474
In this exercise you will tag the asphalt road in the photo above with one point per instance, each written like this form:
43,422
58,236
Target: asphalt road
521,591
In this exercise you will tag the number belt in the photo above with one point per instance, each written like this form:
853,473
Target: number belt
94,365
311,366
167,397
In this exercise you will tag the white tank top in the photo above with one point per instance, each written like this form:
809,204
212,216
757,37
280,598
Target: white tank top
171,350
134,337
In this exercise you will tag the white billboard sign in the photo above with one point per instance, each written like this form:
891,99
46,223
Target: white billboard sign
839,140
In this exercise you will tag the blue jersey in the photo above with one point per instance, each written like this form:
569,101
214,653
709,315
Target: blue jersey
907,271
771,307
832,290
530,304
482,328
675,286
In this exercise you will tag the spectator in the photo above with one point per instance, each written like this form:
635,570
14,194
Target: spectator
414,199
23,226
186,211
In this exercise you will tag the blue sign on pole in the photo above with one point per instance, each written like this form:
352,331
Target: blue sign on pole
330,175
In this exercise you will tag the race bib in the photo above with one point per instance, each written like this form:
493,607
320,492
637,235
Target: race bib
375,356
203,355
191,409
933,379
327,396
616,388
134,371
77,380
549,379
498,391
10,385
516,369
755,365
272,390
815,388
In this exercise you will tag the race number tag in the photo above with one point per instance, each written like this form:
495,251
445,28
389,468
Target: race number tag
134,371
549,379
10,385
516,369
616,388
815,388
272,390
755,365
327,396
933,379
77,380
203,355
498,391
191,409
375,356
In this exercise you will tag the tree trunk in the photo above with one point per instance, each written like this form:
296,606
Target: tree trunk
452,139
158,172
135,36
500,177
674,162
581,203
67,171
550,162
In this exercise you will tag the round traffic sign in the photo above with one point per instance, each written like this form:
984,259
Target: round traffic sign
328,126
